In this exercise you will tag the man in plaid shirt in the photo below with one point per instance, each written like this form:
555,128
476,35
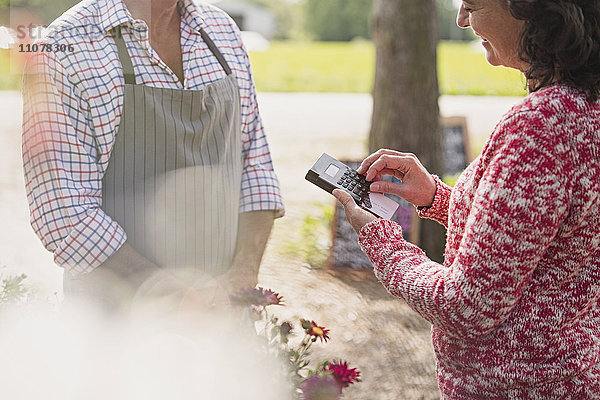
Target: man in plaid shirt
121,110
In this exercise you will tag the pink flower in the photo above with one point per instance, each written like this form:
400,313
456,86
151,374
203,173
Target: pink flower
317,332
343,375
256,296
320,388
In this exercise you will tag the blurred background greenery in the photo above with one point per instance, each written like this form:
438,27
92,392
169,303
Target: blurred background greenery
348,67
322,46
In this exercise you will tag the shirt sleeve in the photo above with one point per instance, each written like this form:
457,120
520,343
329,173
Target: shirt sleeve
260,188
62,178
518,206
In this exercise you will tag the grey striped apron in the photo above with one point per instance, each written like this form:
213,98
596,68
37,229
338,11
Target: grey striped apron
173,178
174,175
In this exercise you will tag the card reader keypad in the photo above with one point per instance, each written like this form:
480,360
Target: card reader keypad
356,185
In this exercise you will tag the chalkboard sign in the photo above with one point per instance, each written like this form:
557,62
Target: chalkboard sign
457,154
345,251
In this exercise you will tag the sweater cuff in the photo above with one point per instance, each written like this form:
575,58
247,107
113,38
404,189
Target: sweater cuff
438,210
377,232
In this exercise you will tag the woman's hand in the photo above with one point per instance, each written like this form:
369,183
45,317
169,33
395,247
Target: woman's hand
417,187
356,216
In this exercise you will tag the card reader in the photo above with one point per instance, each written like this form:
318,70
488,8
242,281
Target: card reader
329,174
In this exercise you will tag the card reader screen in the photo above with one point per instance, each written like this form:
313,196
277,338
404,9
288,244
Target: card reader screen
332,170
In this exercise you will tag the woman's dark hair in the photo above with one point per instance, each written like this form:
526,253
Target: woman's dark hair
561,42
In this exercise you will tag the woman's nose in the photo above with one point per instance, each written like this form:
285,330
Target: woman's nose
462,18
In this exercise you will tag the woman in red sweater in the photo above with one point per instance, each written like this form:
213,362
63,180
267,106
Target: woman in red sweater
515,307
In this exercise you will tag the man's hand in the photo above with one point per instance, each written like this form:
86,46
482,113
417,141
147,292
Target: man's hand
118,280
356,216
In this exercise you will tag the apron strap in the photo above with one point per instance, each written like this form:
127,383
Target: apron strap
215,50
124,56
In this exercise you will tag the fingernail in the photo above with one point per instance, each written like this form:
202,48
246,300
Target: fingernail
374,187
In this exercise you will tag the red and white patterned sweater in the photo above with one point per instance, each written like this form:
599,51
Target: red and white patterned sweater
515,307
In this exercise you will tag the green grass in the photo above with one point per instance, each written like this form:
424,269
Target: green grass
462,69
315,67
349,68
311,241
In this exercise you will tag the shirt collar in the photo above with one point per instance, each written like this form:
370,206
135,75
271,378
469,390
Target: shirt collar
114,13
191,15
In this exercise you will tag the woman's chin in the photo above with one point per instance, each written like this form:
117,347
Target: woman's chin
492,59
493,62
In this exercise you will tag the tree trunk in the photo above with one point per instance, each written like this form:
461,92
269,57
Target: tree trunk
405,94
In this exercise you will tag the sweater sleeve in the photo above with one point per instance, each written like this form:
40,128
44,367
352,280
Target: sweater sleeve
438,211
517,209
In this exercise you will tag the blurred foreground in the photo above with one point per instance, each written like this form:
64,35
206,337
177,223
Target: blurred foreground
77,353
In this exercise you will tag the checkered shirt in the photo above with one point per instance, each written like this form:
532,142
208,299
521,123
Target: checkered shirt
72,104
